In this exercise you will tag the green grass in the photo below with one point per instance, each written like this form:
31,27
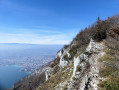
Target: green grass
107,58
110,51
111,83
78,69
65,87
57,78
109,71
56,69
65,57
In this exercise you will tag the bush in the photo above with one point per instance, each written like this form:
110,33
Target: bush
55,62
73,50
74,78
100,30
66,46
56,69
65,57
78,69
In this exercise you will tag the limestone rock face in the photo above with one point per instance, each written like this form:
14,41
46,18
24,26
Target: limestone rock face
94,47
64,56
87,77
77,61
63,63
48,73
85,67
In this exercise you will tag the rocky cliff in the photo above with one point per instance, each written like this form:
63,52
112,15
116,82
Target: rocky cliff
82,69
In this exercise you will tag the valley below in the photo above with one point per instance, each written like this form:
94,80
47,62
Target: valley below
19,60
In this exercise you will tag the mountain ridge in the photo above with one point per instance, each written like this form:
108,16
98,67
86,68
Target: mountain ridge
84,63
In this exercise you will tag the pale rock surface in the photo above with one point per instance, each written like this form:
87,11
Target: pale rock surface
87,79
48,73
64,62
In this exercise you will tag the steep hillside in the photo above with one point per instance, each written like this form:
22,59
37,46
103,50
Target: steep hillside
79,73
89,62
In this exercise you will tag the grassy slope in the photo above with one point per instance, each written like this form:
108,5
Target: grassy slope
109,69
60,77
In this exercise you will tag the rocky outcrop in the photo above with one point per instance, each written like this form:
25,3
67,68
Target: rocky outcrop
48,73
78,60
93,48
63,56
87,77
85,67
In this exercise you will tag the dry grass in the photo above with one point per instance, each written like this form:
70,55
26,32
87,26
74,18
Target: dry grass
110,70
59,77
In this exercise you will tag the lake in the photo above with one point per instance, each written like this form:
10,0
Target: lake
29,56
9,75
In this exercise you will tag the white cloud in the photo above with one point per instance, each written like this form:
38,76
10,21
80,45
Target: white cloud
44,29
32,38
43,35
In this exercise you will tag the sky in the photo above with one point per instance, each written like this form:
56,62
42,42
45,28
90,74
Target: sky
50,21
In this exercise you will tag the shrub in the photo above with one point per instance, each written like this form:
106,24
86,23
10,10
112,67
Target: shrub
78,69
74,78
56,69
100,30
73,50
65,57
66,46
55,62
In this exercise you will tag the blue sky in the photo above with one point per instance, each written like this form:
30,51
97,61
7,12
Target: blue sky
50,21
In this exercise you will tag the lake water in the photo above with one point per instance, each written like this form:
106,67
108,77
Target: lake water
9,75
27,55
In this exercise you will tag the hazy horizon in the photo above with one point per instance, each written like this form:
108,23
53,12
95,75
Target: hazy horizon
33,44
